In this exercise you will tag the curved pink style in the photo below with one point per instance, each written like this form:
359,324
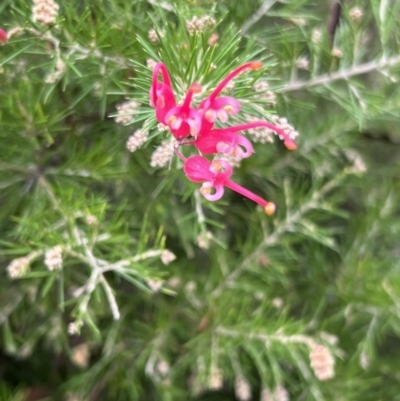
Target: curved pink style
224,141
212,108
161,95
288,142
215,176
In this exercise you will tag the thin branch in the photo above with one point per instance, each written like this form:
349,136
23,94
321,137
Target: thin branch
199,209
257,15
342,74
266,338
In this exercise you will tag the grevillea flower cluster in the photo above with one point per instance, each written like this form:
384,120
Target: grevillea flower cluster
195,126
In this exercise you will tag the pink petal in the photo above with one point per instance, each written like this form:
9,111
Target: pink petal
3,37
222,170
194,121
219,192
197,169
245,143
207,143
228,103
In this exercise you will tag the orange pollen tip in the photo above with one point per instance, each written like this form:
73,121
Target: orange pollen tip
256,65
228,108
209,115
205,191
216,166
270,208
195,88
290,145
172,119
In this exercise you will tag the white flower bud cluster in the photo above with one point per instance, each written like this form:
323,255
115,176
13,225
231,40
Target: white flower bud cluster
58,72
364,360
197,24
203,239
216,379
126,111
337,53
163,153
300,21
356,13
322,362
154,285
45,11
153,36
232,160
263,92
161,127
242,388
302,63
91,220
316,36
151,63
167,257
53,258
278,302
18,267
73,328
213,39
281,394
260,134
266,395
283,124
174,282
80,355
359,165
163,367
136,140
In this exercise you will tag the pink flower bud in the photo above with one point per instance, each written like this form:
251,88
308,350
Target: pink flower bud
3,37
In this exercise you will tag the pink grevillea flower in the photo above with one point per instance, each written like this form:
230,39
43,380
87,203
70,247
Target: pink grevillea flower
184,120
161,95
215,176
212,107
224,141
3,37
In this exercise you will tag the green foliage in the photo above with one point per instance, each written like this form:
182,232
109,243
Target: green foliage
93,304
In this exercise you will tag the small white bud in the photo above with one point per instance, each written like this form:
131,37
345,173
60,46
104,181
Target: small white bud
18,267
136,140
242,388
154,285
336,52
80,355
356,14
53,258
216,379
126,112
167,257
163,154
322,362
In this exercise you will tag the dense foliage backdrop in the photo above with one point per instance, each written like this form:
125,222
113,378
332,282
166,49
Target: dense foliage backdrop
120,282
